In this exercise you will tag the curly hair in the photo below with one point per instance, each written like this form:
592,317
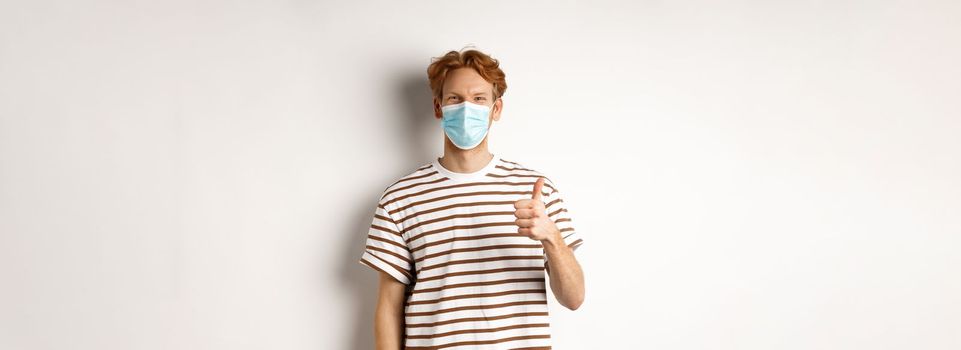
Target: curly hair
487,67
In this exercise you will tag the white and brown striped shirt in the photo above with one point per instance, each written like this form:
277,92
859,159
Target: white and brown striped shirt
474,282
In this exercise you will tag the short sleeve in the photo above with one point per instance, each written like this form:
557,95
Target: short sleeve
558,212
386,250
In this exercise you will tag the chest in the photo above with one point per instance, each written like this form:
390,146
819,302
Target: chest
465,231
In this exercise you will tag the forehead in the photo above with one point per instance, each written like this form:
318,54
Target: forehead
466,81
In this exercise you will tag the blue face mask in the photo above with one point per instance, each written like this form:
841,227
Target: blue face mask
465,123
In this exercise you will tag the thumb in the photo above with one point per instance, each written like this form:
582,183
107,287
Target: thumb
538,186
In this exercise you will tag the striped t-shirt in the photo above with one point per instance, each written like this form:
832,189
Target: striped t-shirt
473,281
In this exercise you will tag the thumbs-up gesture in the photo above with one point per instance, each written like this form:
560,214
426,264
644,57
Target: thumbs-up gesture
532,220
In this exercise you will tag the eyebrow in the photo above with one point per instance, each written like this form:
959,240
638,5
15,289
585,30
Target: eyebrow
475,94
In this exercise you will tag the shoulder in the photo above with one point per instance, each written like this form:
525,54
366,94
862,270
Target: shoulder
424,172
510,169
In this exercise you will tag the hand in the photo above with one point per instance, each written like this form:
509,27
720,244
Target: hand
532,220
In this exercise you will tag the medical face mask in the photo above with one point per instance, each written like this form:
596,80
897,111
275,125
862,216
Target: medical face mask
465,123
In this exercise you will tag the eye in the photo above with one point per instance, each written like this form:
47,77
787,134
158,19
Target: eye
480,98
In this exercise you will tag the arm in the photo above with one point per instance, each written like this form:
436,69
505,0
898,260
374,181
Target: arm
567,279
566,276
389,316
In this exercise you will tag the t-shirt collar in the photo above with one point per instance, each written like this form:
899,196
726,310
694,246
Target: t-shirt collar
479,174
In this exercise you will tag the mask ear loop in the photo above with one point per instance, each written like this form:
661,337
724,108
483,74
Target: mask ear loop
492,108
490,121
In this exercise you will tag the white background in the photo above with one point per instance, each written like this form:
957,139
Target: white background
746,174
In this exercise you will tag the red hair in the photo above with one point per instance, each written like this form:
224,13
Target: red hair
487,67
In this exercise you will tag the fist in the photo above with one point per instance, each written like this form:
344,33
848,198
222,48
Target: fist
532,220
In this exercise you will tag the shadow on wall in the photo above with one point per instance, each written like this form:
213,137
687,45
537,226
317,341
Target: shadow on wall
423,136
419,142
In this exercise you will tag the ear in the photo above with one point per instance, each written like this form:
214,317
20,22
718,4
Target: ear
496,109
437,112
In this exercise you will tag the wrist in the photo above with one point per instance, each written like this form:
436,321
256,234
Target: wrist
553,241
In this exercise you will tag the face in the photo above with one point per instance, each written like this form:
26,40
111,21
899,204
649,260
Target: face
465,84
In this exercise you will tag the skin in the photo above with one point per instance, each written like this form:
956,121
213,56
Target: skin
566,276
389,314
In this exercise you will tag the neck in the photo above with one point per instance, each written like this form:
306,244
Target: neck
465,161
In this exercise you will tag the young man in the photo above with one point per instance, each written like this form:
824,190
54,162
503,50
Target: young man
463,242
